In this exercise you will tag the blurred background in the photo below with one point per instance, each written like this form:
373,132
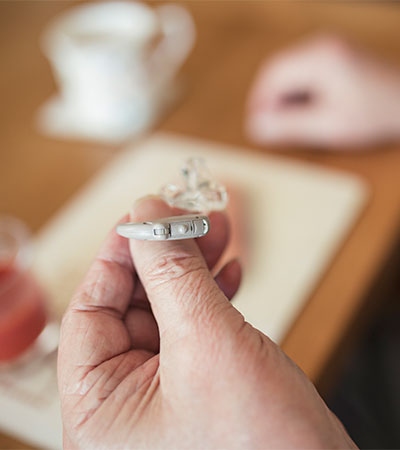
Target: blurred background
345,336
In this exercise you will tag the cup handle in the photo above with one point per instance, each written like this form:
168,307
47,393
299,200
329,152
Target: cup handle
179,35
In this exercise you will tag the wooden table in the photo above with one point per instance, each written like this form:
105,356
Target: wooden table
38,174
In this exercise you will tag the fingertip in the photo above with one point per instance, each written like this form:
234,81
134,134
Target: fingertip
213,244
219,222
115,247
234,270
229,278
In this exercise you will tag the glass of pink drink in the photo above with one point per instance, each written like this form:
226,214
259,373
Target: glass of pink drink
22,304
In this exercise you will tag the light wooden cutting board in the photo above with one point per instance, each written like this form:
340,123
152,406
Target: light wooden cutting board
296,214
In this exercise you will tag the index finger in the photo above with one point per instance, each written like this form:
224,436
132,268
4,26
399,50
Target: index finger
93,330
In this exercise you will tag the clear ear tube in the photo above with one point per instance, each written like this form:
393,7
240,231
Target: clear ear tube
197,192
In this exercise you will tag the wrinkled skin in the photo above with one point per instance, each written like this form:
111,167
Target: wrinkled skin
324,92
153,355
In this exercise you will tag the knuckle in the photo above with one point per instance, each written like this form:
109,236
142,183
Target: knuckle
173,269
213,317
187,279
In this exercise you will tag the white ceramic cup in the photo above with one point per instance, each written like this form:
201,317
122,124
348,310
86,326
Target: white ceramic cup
114,63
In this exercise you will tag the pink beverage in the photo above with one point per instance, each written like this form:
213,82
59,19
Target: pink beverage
22,305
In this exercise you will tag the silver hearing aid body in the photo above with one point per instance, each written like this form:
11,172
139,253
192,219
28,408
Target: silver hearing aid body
168,228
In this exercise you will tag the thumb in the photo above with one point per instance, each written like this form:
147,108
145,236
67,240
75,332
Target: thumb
181,290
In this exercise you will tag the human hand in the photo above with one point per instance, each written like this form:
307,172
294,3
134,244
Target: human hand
153,355
323,92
